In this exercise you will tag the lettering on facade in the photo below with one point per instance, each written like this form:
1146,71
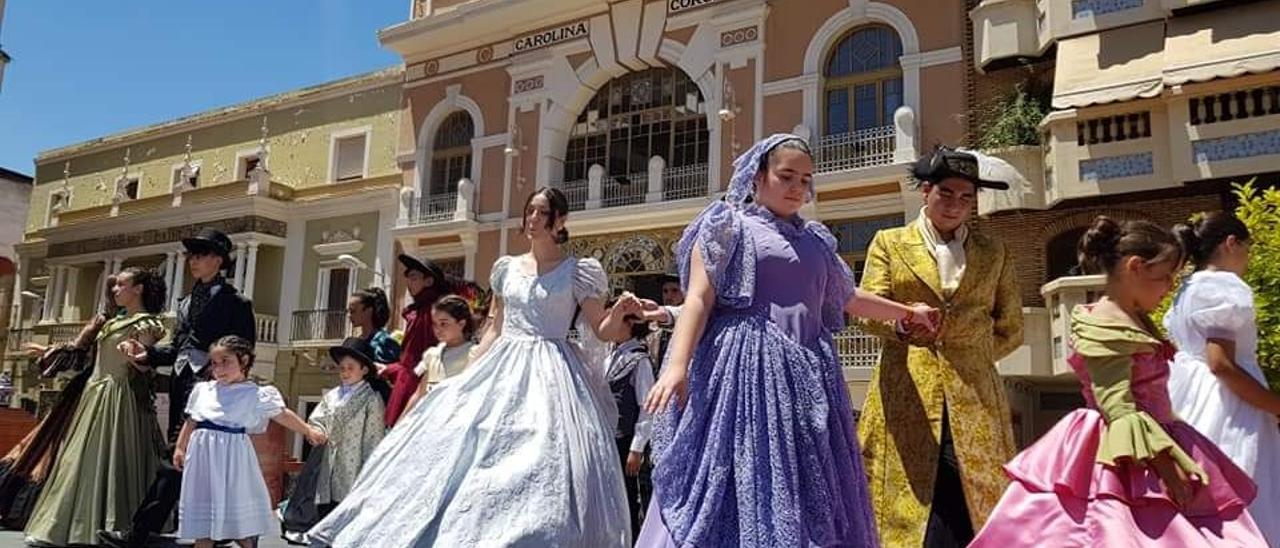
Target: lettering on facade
674,6
550,36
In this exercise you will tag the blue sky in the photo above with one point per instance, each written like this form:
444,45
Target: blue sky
85,69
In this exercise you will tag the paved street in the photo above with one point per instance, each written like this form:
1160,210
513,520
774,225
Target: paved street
13,539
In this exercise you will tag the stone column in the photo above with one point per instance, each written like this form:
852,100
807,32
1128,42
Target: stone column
70,286
99,300
169,268
469,241
239,260
179,271
250,269
55,293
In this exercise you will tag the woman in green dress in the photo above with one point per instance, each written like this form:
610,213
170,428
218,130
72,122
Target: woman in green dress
113,446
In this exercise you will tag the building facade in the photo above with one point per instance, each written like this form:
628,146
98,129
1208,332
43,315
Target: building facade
305,183
1156,108
15,192
637,109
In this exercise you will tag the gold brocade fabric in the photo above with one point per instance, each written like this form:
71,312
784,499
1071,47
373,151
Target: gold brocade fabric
901,421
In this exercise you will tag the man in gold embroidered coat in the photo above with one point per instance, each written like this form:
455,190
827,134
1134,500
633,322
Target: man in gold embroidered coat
935,429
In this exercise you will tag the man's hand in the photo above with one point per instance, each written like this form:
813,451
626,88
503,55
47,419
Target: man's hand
634,460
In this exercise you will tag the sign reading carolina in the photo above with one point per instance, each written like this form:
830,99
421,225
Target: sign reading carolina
548,37
682,5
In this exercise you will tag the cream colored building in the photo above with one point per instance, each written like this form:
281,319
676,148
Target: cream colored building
1157,106
305,183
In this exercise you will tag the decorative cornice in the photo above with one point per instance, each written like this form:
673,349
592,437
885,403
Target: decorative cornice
172,234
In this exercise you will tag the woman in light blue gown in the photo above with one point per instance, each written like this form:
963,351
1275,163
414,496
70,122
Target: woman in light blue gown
518,450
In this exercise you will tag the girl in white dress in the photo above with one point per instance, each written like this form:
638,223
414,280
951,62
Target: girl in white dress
223,494
1215,383
451,321
518,449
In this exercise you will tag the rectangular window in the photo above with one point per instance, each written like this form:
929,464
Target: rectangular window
247,165
193,181
131,188
837,111
865,107
349,158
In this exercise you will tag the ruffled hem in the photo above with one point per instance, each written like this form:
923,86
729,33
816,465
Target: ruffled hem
1138,437
765,453
1065,461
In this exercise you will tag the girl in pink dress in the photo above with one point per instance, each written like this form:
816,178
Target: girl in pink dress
1123,472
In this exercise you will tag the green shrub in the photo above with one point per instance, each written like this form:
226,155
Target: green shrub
1014,120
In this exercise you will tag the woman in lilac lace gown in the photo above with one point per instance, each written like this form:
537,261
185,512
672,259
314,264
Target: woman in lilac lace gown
756,446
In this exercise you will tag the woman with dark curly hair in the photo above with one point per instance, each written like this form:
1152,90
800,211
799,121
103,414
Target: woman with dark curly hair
113,446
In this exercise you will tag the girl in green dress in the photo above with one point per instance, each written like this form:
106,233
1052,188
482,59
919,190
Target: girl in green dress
114,444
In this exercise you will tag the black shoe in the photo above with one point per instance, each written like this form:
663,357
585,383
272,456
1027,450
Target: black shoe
127,539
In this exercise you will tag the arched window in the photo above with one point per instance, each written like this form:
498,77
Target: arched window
656,112
1060,259
451,154
863,80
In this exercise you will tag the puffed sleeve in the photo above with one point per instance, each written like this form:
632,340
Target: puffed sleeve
727,254
1224,305
589,281
839,279
270,402
193,401
148,330
1131,433
499,274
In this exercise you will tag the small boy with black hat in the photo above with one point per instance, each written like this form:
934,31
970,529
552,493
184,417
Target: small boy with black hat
351,417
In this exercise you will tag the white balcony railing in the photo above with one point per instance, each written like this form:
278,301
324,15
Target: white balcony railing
458,205
320,325
266,328
855,150
624,190
680,183
856,348
433,209
658,184
575,192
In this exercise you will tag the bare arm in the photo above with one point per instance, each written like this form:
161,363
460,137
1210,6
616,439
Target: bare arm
1220,355
609,325
874,307
698,303
493,329
180,450
292,421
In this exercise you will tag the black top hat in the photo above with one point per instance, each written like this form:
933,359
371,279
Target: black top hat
946,162
210,240
353,347
424,266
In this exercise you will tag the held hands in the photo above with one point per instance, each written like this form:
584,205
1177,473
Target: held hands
922,324
133,350
316,437
651,311
633,464
33,350
627,305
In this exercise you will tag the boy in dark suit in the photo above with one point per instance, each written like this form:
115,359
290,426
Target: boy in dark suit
213,310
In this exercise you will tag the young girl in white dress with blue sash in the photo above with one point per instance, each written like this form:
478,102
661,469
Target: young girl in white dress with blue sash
224,496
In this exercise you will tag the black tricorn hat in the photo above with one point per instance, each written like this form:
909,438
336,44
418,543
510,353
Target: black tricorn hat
947,162
353,347
425,266
210,240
